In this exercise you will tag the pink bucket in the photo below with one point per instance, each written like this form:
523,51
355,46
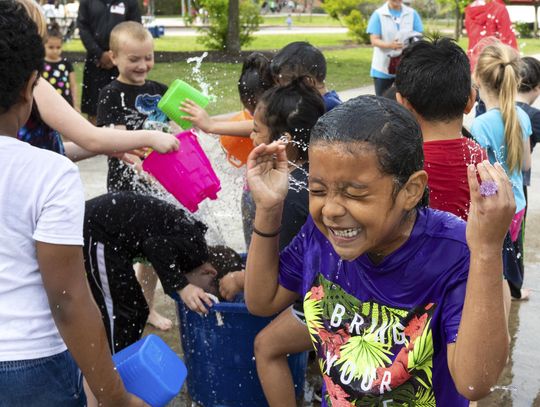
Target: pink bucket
187,173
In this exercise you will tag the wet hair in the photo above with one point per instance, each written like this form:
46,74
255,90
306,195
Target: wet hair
225,260
498,70
293,109
254,80
21,52
131,29
529,74
35,13
386,126
299,59
434,77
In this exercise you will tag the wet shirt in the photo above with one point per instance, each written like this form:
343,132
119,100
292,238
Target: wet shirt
295,207
140,226
488,130
38,133
381,331
135,107
57,74
446,163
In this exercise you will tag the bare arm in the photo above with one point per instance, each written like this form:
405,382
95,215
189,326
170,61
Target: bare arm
526,165
79,321
76,153
59,115
268,182
74,90
200,118
481,349
377,41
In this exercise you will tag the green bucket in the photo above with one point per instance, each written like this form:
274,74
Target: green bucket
177,93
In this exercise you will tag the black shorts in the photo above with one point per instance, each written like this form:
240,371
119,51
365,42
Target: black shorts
94,79
297,310
117,293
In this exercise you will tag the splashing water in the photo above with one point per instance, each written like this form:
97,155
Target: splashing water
197,75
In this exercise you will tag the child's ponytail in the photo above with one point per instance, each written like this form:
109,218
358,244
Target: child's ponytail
512,128
498,70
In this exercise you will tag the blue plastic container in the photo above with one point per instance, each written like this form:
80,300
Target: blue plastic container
218,351
157,31
151,370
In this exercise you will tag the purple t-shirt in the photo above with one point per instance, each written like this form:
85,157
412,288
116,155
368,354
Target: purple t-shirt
381,331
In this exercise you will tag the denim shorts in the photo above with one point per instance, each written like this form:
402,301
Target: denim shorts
45,382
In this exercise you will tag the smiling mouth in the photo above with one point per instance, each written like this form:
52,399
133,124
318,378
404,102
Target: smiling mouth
345,233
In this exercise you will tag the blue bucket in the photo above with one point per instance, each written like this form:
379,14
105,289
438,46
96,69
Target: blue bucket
151,370
220,360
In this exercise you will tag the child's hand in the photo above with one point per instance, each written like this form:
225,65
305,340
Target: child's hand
197,115
492,208
229,285
268,174
195,298
163,142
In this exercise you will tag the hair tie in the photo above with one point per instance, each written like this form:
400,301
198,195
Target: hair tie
505,64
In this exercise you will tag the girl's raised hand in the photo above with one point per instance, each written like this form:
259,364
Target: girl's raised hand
163,142
197,115
492,207
268,174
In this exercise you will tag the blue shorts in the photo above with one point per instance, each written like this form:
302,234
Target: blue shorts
45,382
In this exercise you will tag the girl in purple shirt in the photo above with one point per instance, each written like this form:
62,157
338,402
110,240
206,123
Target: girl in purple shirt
405,305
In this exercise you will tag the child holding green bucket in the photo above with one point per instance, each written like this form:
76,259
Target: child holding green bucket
404,304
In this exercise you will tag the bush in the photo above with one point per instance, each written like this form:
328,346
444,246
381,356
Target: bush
215,35
357,25
525,30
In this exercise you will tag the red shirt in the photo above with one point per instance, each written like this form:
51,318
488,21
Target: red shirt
446,163
488,20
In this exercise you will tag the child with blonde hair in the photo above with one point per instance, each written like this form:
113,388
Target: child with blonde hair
504,132
130,102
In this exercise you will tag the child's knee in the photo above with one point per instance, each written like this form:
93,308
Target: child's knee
265,345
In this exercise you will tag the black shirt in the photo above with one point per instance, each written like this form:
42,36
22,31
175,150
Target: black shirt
141,226
534,115
97,18
131,106
295,207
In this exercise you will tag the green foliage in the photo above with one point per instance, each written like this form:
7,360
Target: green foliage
525,30
353,13
215,35
339,8
357,25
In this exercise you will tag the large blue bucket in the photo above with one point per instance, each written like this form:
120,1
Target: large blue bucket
218,352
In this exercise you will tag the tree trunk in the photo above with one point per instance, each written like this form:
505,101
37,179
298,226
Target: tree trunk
232,45
457,30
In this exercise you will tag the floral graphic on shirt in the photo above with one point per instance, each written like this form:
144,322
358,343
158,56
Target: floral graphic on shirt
370,354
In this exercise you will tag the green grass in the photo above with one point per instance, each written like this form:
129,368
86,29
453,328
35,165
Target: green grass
347,69
261,42
302,20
